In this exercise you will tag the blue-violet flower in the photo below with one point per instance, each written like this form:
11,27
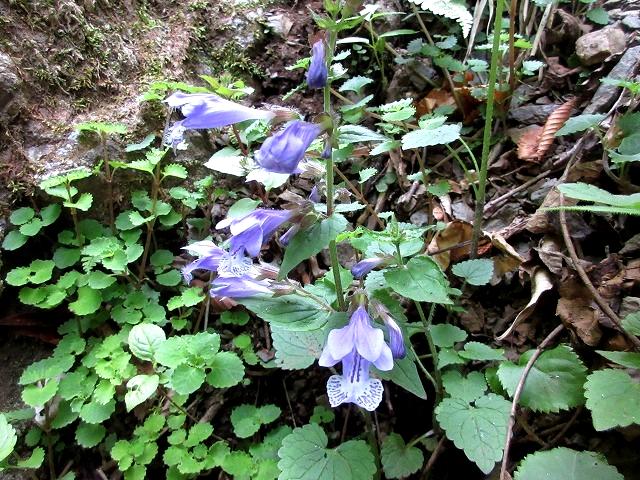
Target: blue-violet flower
357,346
317,73
282,152
363,267
253,230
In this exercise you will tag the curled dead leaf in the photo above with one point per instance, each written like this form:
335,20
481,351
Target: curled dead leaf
578,312
528,144
555,121
540,283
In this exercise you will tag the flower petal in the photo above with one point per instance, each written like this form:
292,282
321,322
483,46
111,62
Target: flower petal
368,340
238,287
340,342
385,360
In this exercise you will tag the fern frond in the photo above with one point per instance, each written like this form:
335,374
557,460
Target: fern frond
453,9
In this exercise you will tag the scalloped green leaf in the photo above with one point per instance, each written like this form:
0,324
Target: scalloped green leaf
565,464
398,460
613,398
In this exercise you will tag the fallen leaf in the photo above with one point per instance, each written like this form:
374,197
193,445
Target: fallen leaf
580,317
528,144
555,121
540,283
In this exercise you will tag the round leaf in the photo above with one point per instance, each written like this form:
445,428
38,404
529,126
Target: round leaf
144,340
566,464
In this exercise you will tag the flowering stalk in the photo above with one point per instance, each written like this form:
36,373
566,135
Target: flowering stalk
333,249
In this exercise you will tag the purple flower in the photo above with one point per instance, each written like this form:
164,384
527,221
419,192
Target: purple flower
286,237
253,230
357,346
318,73
207,110
282,152
396,340
236,274
363,267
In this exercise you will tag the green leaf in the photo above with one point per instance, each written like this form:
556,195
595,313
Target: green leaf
247,419
88,301
598,15
187,379
405,374
591,193
96,413
449,9
296,350
14,240
161,258
66,257
420,279
398,461
8,438
311,241
482,352
175,170
36,396
134,147
426,137
145,339
172,352
555,382
631,323
50,213
613,398
21,215
475,272
227,370
626,359
100,280
238,465
355,84
242,207
34,461
304,456
46,368
565,464
32,227
358,134
237,317
580,123
89,435
479,430
468,388
102,127
293,312
141,387
169,279
445,335
83,203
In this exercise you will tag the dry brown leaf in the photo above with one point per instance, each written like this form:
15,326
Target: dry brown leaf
540,283
454,233
528,144
580,317
437,97
552,125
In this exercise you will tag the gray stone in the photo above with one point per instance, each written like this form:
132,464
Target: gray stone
595,47
607,94
11,98
530,114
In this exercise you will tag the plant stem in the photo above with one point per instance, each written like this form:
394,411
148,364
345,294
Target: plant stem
426,322
107,173
155,188
333,249
486,139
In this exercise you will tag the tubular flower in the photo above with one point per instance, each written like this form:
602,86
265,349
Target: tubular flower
357,346
282,152
363,267
253,230
317,73
236,274
396,340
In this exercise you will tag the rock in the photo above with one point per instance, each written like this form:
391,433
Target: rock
530,114
11,99
606,94
595,47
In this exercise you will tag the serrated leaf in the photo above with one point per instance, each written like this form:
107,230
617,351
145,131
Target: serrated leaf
296,350
450,9
598,15
445,335
631,323
293,312
247,419
96,413
175,170
626,359
141,387
34,461
420,279
405,374
83,203
579,124
46,368
145,339
304,456
479,430
613,398
475,272
186,379
591,193
359,134
426,137
134,147
468,388
170,278
398,460
311,241
555,382
8,438
161,258
355,84
88,301
36,396
480,351
565,464
14,240
21,215
89,435
99,280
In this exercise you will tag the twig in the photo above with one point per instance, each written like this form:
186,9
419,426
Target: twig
564,429
516,397
359,196
432,459
286,393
